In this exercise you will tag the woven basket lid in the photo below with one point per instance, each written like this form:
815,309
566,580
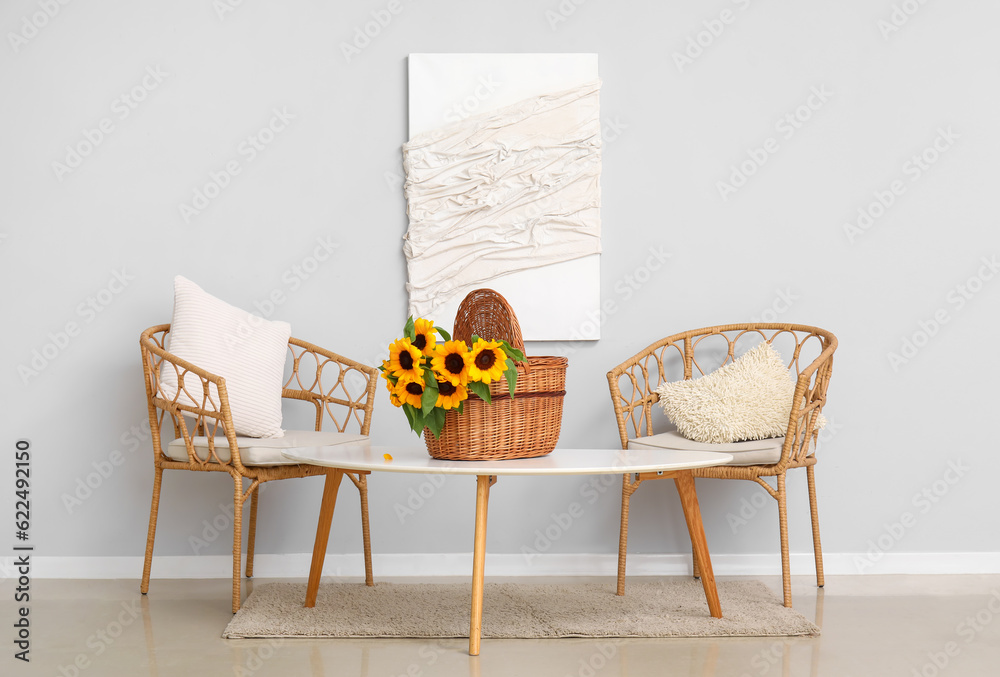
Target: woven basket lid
485,313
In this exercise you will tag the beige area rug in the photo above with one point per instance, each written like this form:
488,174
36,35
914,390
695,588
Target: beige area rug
516,610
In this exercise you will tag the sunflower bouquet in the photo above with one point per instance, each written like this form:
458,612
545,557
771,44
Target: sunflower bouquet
427,378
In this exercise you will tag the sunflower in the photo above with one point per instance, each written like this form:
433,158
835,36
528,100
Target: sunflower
409,391
449,362
450,395
390,384
404,359
425,340
486,361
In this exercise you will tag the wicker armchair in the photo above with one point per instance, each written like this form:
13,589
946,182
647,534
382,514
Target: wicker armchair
319,377
694,353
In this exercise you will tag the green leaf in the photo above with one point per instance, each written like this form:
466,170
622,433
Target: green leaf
415,418
445,335
474,339
410,329
435,421
461,407
420,424
430,397
511,375
512,352
481,389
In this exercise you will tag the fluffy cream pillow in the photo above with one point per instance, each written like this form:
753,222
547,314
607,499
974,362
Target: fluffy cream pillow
748,399
246,350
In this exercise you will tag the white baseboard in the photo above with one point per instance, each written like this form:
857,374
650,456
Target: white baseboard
460,564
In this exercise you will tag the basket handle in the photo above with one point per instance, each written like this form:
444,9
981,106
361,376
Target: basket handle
486,313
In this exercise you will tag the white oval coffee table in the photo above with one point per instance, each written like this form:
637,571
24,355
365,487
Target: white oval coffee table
645,463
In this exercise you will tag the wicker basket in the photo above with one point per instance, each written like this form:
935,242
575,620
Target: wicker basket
524,426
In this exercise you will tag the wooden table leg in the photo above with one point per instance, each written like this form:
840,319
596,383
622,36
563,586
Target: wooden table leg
692,514
322,534
483,483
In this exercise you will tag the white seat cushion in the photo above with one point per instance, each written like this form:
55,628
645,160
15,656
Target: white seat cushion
753,452
262,451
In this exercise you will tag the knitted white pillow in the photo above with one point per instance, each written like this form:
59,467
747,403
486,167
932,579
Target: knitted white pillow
246,350
748,399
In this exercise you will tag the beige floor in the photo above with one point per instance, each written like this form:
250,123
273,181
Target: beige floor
878,625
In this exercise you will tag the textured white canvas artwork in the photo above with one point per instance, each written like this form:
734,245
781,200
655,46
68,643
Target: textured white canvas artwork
503,187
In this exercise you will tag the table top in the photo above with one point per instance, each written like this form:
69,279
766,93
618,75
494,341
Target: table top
414,459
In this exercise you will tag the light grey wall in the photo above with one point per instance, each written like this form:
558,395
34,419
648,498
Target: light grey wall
672,133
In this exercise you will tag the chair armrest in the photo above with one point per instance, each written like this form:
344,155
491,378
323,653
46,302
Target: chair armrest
807,406
200,395
640,375
332,383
